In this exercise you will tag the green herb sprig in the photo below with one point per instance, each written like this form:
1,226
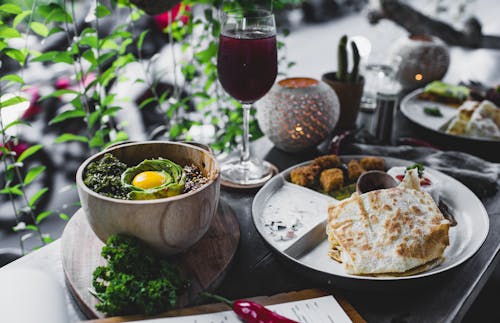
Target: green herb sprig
135,280
419,167
433,111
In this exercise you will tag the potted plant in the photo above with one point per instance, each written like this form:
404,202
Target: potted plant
348,86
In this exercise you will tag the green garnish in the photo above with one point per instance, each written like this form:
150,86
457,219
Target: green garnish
433,111
458,92
344,192
104,177
135,279
419,167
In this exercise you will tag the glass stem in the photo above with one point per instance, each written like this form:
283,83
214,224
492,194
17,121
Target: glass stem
245,151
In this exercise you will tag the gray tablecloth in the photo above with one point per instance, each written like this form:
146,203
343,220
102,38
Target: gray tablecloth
481,176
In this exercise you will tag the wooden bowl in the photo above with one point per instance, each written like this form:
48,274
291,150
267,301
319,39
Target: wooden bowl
170,225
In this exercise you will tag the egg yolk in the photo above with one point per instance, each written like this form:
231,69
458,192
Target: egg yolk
149,179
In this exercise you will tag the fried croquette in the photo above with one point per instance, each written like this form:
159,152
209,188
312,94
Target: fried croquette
372,163
305,175
331,179
354,170
327,161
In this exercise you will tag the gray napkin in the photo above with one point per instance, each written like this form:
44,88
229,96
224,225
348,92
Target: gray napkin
480,176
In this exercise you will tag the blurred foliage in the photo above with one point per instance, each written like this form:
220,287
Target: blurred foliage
97,60
16,175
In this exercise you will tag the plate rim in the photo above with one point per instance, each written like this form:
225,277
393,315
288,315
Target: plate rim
413,94
425,274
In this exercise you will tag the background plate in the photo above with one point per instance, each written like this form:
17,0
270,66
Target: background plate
413,108
281,197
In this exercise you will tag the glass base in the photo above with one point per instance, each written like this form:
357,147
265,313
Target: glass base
251,172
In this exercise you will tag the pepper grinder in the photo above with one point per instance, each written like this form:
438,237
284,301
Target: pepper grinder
381,127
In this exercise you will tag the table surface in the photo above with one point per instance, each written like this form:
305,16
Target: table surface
256,270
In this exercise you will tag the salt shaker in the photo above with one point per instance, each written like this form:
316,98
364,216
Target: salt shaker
385,109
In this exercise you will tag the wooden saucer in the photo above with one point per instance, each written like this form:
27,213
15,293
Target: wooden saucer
204,264
230,185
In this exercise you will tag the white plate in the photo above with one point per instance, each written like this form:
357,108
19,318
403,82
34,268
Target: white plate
413,108
288,200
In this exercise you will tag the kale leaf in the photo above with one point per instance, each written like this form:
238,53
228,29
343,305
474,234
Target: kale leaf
135,279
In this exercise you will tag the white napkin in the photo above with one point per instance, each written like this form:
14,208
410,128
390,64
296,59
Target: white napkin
29,295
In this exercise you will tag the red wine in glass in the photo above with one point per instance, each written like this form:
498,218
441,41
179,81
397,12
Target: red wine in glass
247,63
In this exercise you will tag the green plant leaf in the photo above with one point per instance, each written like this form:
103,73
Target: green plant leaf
53,12
70,137
121,136
20,17
29,152
16,54
103,58
55,30
112,111
33,173
40,217
11,8
90,57
77,102
39,28
94,116
141,39
146,102
55,56
12,101
8,32
89,39
14,165
31,227
47,238
64,216
58,93
12,78
206,55
14,190
37,196
15,123
71,114
102,11
97,140
109,99
175,131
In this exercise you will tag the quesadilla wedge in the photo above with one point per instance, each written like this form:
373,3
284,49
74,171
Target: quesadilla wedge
394,230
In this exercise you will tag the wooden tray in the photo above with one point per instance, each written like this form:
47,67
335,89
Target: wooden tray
264,300
204,264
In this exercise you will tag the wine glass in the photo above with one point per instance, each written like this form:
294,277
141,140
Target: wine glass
247,65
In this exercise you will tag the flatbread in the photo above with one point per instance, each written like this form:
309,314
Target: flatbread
387,231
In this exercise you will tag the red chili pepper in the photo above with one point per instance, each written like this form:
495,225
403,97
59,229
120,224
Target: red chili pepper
251,312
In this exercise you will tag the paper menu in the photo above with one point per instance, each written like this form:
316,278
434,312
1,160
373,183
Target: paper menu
314,310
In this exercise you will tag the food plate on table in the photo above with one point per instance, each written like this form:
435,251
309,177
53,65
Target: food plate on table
292,219
452,118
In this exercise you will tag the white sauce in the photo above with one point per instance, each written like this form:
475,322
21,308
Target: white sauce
433,189
291,212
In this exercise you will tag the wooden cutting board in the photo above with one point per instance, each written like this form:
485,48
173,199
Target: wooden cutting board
204,264
264,300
